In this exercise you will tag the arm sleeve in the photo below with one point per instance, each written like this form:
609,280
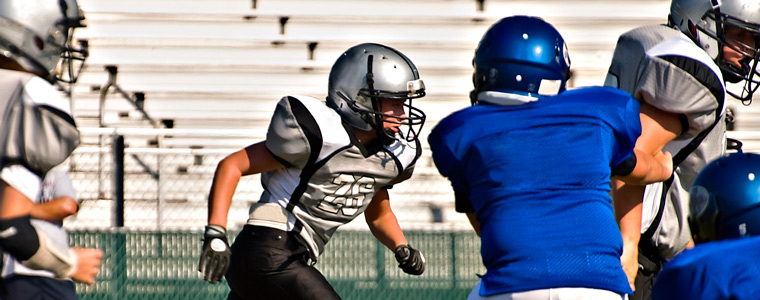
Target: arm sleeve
462,203
626,167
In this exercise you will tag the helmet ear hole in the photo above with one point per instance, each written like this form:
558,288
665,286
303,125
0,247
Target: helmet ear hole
693,29
704,214
368,118
39,43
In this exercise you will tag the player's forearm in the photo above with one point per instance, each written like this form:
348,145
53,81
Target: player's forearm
627,203
630,226
55,210
387,231
649,168
382,221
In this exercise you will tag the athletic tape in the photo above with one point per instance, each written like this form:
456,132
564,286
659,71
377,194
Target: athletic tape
51,257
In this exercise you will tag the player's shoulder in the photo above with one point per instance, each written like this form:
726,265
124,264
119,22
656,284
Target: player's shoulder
596,91
661,40
301,107
640,41
455,120
34,89
14,77
648,35
601,95
307,102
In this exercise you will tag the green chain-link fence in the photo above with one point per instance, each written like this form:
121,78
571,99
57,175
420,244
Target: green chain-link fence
163,266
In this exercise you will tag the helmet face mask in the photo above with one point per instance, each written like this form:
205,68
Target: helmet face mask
367,74
37,35
706,25
72,61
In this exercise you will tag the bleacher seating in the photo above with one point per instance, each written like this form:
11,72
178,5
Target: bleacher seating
215,69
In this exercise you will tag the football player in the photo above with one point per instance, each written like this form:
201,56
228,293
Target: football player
725,224
530,164
57,201
678,73
37,131
322,165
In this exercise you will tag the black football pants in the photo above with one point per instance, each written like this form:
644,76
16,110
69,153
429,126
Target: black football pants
268,263
22,287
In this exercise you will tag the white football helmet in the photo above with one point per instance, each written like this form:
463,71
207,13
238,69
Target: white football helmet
368,72
705,21
37,35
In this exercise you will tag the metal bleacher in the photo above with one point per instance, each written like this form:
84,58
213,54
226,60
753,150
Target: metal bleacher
211,72
187,82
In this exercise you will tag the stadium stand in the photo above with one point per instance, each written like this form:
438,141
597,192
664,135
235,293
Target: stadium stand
207,74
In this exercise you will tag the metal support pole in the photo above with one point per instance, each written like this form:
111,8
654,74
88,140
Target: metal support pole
118,180
283,21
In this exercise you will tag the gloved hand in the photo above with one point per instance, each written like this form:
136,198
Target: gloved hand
215,256
410,260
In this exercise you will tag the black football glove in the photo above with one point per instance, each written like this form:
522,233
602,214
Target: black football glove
215,255
410,260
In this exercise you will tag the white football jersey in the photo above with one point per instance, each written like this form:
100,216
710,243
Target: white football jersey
683,79
330,177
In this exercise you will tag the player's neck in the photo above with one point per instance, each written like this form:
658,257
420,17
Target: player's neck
365,136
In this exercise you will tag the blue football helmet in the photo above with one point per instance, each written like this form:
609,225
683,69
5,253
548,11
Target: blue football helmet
725,199
521,55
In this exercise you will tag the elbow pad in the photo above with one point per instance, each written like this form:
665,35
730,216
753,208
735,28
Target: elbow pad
33,249
625,167
18,237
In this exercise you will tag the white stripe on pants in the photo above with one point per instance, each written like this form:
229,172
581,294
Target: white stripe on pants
551,294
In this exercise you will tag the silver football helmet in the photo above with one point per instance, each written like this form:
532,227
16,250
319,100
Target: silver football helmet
37,35
368,72
705,21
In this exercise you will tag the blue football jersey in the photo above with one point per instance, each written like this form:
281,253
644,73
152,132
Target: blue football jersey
538,178
728,269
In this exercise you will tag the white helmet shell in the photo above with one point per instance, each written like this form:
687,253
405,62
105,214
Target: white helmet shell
36,33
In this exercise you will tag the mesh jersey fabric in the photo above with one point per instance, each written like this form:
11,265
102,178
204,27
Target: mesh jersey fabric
538,177
721,270
330,176
681,78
